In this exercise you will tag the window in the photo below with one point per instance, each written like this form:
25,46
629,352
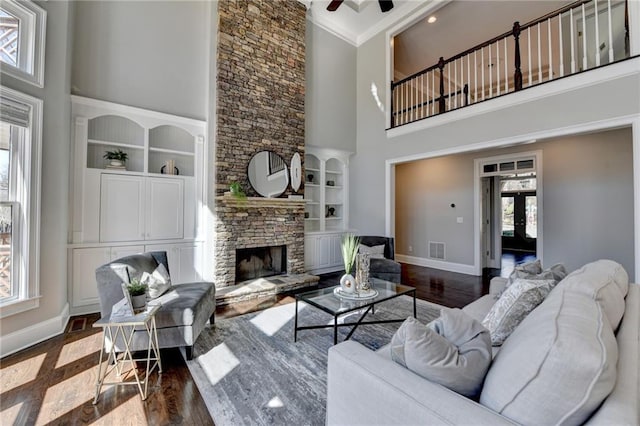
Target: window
22,35
20,147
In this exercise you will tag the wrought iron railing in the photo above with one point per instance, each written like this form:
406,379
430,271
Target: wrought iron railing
570,40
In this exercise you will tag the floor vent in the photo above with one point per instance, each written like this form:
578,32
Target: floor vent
436,250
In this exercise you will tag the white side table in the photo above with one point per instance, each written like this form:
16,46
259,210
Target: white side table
125,327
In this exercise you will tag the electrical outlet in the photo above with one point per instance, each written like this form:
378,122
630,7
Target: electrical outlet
410,249
459,219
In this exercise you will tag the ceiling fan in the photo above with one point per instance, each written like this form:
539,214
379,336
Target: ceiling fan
385,5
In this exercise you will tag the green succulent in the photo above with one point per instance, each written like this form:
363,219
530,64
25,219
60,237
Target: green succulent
136,288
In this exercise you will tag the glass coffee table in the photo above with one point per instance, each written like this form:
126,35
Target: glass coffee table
327,300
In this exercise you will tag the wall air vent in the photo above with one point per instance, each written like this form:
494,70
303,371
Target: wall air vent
436,250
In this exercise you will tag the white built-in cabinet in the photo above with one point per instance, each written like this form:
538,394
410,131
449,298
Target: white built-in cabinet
143,207
326,192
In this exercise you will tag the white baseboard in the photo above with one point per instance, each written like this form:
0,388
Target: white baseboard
437,264
36,333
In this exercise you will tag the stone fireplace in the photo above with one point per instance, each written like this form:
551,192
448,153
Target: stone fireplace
260,91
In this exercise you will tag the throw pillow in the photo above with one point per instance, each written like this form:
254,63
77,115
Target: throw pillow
525,270
453,350
513,306
157,282
375,252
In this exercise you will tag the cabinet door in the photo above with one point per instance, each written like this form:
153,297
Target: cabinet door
164,208
119,252
324,252
310,251
85,263
121,208
185,261
335,250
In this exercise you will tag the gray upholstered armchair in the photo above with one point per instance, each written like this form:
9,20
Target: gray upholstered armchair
387,268
185,307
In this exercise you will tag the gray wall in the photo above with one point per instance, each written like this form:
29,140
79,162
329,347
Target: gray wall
148,54
367,170
55,168
587,186
330,101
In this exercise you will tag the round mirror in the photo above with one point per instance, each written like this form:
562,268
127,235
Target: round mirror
296,172
268,174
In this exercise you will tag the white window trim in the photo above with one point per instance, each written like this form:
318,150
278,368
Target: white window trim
33,22
29,292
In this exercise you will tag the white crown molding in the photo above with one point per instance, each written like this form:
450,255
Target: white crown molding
402,12
327,25
407,9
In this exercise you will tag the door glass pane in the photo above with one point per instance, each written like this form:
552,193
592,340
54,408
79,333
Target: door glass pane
507,216
532,216
6,289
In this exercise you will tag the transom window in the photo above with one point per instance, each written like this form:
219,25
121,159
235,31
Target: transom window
22,35
9,31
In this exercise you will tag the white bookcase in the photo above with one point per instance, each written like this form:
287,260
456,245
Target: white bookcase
142,207
326,193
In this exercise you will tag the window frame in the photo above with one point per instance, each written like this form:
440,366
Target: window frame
26,233
31,35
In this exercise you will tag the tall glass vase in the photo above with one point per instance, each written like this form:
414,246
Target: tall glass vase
362,272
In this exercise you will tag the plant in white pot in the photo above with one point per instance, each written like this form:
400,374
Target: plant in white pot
138,292
350,244
116,158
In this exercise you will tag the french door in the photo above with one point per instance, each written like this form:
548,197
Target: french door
519,220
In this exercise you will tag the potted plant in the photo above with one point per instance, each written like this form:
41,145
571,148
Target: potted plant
236,190
138,292
349,245
116,158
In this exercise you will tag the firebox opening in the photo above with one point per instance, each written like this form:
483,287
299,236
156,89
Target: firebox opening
256,262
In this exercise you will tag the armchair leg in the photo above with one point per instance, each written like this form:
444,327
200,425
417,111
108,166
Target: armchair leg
212,319
188,352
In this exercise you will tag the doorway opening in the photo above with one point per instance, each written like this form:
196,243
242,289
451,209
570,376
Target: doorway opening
510,209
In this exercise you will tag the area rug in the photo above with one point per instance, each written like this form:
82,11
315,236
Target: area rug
251,372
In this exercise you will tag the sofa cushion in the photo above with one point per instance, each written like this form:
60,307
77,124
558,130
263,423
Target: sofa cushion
384,265
181,304
606,282
514,305
525,270
158,282
557,366
375,252
453,350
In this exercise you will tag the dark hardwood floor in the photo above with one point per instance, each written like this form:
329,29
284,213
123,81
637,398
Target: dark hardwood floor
54,382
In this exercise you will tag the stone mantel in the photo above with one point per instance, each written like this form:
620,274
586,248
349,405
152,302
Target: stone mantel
259,202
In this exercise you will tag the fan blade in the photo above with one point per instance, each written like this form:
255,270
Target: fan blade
334,5
385,5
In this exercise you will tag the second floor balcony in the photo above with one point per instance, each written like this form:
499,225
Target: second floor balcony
579,37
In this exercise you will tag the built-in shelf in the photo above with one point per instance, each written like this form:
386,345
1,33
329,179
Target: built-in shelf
116,144
171,151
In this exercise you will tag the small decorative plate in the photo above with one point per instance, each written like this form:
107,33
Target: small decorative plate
370,294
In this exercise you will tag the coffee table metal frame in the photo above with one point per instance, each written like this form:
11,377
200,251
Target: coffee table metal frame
327,301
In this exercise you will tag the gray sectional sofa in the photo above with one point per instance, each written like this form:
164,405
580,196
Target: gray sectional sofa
573,360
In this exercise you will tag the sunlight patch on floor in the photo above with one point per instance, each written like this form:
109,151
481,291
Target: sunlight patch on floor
275,402
271,320
73,351
218,362
20,373
9,416
67,395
